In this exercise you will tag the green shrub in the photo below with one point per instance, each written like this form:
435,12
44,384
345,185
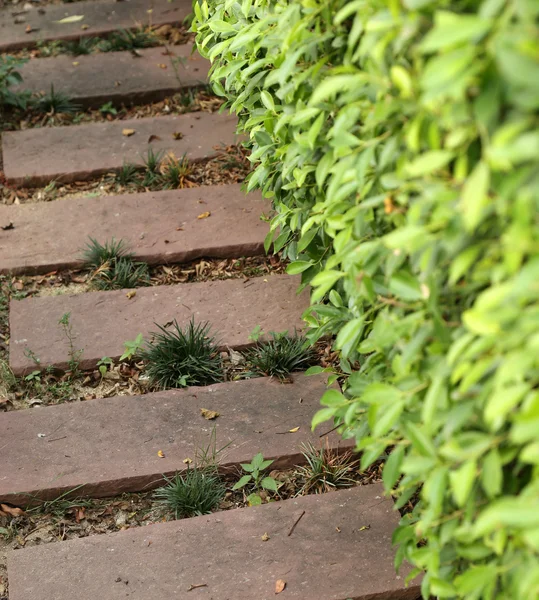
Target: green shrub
399,143
9,77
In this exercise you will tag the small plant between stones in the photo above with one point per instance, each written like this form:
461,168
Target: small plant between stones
73,353
54,102
113,266
256,480
180,357
281,355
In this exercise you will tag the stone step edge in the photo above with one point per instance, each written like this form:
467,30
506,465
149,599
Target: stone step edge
252,552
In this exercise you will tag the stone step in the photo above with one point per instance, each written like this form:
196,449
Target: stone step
103,321
117,77
159,227
78,152
111,446
340,549
20,28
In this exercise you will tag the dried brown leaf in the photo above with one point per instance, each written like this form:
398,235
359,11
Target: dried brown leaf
128,132
12,511
280,585
204,215
209,414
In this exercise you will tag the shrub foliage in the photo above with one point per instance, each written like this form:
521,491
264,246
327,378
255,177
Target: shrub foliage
399,142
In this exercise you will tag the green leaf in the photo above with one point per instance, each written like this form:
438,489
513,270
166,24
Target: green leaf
242,482
386,417
298,267
322,416
492,474
268,483
349,336
420,440
451,29
254,500
391,471
462,480
474,196
429,162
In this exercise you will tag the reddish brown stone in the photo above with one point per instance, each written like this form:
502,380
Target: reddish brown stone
77,152
339,550
111,446
20,28
103,321
117,77
159,227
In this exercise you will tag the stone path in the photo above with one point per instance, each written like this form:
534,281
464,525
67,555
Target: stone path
118,77
334,546
159,227
21,28
79,152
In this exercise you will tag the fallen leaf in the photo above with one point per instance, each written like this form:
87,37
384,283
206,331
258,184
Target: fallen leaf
79,514
265,537
209,414
153,138
187,461
389,207
280,584
338,529
8,227
162,66
13,511
161,454
204,215
71,19
177,135
294,430
364,527
131,294
128,132
85,27
76,64
28,29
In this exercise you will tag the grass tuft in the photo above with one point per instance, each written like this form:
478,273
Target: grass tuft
325,470
282,355
95,254
81,46
174,171
196,492
182,357
125,39
121,274
57,102
127,174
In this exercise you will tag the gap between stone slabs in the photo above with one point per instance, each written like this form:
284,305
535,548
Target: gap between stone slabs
117,77
340,550
41,23
103,321
158,227
79,152
110,446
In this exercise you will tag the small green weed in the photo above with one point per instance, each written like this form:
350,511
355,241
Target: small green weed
256,480
74,355
121,274
325,470
47,49
182,357
108,109
104,365
57,102
174,172
196,492
280,356
132,348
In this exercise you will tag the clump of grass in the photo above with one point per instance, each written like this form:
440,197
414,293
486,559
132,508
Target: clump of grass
114,267
56,103
122,274
96,254
280,356
152,162
174,172
125,39
325,470
196,492
182,357
81,46
127,174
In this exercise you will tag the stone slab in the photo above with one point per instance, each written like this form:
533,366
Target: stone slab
79,152
159,227
99,18
339,550
110,446
103,321
117,77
